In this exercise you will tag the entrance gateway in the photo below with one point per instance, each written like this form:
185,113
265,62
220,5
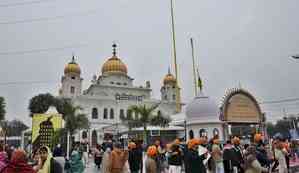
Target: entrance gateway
241,114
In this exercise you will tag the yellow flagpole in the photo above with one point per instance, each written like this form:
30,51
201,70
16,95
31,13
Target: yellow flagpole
178,96
194,71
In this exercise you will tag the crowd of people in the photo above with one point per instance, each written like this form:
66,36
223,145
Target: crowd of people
194,156
197,156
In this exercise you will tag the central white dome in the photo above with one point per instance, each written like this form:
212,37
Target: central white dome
202,109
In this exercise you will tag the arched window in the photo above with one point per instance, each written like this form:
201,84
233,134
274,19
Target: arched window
191,134
94,113
84,135
129,114
159,112
121,113
105,113
111,113
173,97
72,90
94,138
215,132
202,133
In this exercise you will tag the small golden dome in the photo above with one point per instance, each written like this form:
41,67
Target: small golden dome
114,65
169,79
72,67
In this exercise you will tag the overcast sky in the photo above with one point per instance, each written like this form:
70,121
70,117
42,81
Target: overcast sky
246,42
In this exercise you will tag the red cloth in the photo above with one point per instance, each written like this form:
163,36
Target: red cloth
18,163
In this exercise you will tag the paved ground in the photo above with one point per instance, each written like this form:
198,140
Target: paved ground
91,169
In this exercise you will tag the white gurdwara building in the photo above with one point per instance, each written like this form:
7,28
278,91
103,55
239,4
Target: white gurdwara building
110,94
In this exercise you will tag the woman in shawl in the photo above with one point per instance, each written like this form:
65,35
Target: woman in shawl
251,163
46,162
76,163
18,163
3,158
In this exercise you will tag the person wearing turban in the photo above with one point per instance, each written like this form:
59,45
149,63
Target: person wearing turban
150,163
217,156
237,155
135,158
194,158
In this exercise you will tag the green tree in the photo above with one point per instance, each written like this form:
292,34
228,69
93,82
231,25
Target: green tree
2,108
143,116
41,103
283,126
271,129
74,119
5,129
15,128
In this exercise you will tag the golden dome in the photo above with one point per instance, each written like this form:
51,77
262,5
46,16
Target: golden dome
114,65
72,67
169,79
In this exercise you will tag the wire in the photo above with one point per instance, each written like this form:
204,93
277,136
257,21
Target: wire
24,3
280,101
44,49
41,19
27,82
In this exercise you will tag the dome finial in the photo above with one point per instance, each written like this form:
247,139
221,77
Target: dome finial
114,49
73,58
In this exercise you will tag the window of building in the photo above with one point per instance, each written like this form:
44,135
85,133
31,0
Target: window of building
111,113
73,77
84,135
203,133
111,82
129,114
94,113
121,113
118,83
173,97
191,134
155,132
159,112
94,138
165,97
216,132
125,84
72,90
173,87
105,113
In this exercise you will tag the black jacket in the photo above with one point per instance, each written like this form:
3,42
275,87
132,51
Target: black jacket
195,162
135,158
237,158
262,157
175,159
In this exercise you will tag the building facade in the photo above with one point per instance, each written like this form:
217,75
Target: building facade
110,94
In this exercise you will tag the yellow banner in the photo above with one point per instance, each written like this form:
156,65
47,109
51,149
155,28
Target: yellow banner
43,128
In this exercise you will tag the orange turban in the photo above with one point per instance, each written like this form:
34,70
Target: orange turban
258,138
152,151
132,145
193,142
236,141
